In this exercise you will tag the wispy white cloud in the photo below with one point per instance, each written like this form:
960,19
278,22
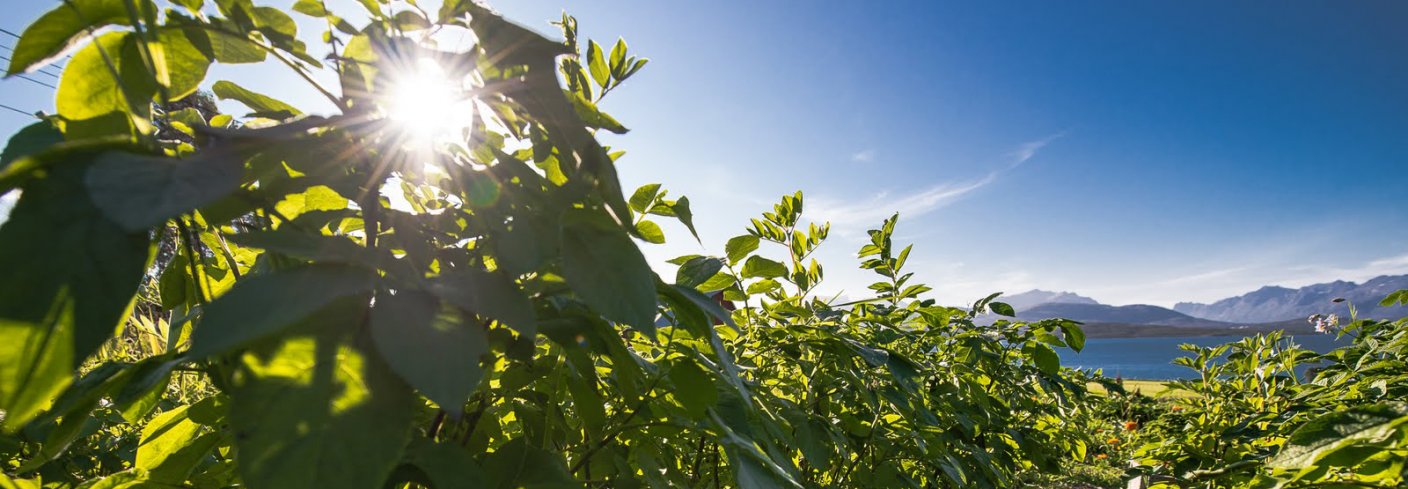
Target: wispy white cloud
846,213
1029,149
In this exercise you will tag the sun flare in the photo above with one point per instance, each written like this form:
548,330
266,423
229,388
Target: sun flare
427,104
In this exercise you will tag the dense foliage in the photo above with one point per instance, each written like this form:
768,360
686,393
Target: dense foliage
281,300
1265,413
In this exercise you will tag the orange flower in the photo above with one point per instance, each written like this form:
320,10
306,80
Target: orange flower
1177,408
1100,456
1112,441
1131,425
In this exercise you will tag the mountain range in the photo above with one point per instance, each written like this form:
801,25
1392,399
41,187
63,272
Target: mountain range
1273,303
1264,309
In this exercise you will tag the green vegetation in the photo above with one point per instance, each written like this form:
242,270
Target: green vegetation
246,304
1152,388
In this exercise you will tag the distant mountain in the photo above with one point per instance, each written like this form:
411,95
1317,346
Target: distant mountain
1035,297
1099,313
1272,304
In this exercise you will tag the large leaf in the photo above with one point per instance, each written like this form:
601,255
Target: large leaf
89,89
172,445
518,465
694,387
1328,434
739,247
70,275
263,105
308,246
697,270
29,140
604,267
759,267
446,465
186,55
140,192
436,349
63,27
262,305
489,294
317,412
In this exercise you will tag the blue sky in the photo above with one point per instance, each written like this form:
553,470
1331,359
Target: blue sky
1135,152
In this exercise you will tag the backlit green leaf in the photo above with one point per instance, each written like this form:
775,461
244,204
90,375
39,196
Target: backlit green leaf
263,105
759,267
70,275
604,267
259,306
88,88
63,27
139,191
317,412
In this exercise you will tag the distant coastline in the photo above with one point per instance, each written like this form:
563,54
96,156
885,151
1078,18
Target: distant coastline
1118,330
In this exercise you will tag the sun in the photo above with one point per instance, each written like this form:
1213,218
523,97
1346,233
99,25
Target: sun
427,104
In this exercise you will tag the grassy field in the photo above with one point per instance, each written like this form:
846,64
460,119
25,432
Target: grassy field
1153,388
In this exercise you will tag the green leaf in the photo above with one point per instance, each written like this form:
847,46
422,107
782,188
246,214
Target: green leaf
518,465
234,48
410,20
262,305
644,196
604,268
60,29
596,62
763,286
1074,335
311,8
1323,436
263,105
739,247
490,294
650,231
172,445
317,247
593,117
31,139
697,270
694,387
436,349
316,412
70,276
140,192
446,465
185,55
88,88
1046,359
685,215
1397,297
618,59
759,267
1001,308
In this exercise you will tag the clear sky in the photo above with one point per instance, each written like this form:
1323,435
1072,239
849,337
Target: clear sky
1135,152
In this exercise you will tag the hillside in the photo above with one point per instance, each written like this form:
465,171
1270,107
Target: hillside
1139,314
1273,303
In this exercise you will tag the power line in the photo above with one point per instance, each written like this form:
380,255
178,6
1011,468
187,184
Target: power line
37,81
41,70
16,36
29,114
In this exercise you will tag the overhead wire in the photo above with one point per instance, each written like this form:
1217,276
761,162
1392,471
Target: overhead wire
17,111
24,77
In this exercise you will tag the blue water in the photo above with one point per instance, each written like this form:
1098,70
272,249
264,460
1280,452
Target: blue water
1152,358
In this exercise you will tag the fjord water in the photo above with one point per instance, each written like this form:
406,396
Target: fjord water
1152,358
